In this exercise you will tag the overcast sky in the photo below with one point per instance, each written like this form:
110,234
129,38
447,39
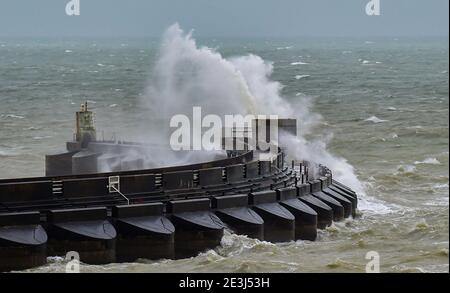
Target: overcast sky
224,18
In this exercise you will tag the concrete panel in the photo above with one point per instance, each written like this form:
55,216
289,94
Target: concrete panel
85,187
287,193
252,170
211,176
235,173
138,210
25,191
137,183
262,197
188,205
265,167
178,180
230,201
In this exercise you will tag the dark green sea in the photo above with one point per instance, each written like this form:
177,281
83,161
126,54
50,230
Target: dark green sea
380,104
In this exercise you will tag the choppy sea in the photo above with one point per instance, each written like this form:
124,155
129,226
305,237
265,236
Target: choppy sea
384,101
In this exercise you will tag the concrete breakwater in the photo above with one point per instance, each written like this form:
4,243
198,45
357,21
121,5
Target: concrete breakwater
165,213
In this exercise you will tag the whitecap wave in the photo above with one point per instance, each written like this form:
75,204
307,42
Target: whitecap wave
285,48
428,161
298,77
371,205
440,186
299,63
439,202
42,137
394,135
7,153
32,128
245,84
368,62
405,169
14,116
375,119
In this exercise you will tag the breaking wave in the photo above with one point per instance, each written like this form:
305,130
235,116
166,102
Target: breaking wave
187,75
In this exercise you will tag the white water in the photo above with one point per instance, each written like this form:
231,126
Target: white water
186,75
375,119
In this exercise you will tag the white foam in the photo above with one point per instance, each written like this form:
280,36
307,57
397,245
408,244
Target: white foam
14,116
375,119
237,85
415,127
298,77
441,186
41,137
299,63
391,108
32,128
368,62
285,48
405,169
429,161
372,205
442,201
68,51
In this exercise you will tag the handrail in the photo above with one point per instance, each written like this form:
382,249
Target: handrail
118,191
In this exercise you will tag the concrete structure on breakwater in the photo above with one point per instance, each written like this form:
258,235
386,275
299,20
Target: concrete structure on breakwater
172,212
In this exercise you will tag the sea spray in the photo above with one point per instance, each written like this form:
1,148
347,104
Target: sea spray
186,75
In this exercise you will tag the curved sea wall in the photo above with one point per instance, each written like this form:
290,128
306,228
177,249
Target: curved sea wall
173,212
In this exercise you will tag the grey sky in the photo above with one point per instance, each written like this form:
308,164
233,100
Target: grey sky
224,18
